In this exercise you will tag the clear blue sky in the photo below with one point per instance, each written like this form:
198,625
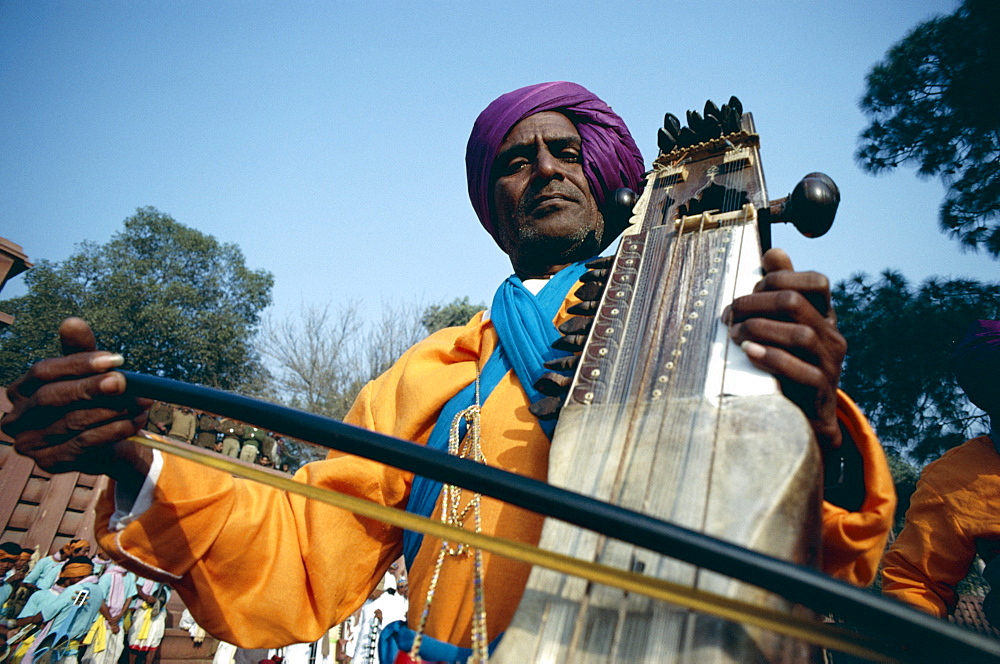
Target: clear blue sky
327,138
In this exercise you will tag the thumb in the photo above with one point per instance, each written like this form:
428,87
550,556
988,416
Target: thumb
775,260
76,336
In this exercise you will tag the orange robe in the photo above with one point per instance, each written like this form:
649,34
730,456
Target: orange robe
235,550
952,512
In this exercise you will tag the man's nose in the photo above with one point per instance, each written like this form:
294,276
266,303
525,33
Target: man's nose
549,166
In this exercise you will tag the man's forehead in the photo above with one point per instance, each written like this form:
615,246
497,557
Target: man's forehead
550,125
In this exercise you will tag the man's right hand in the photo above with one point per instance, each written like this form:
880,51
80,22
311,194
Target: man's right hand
69,413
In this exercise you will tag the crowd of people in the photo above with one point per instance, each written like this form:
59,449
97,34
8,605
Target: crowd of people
223,435
72,608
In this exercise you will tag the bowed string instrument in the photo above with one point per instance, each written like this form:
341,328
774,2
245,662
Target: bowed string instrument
678,471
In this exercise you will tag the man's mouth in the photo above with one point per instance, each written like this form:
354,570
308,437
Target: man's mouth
548,200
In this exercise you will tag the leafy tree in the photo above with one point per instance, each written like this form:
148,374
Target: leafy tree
455,313
933,101
898,367
174,301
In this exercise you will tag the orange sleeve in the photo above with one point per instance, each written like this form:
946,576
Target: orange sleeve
930,556
853,542
952,509
254,565
257,566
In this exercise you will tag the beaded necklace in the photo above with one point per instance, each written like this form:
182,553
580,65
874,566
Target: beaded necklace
452,514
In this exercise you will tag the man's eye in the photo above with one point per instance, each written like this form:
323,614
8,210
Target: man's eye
572,157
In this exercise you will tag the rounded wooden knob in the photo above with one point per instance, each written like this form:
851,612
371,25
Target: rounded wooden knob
624,199
812,205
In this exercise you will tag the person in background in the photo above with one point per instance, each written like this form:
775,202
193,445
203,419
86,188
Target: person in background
953,513
149,619
106,638
208,431
45,572
184,425
161,415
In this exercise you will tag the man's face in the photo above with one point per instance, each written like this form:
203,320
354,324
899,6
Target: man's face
545,213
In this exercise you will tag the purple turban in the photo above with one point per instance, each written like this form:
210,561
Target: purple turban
976,362
611,159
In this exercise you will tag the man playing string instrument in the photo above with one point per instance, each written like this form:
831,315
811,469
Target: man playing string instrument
542,162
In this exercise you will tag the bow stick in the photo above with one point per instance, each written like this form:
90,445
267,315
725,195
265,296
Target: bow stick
822,634
918,636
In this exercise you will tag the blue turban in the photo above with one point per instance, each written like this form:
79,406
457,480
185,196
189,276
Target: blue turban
611,159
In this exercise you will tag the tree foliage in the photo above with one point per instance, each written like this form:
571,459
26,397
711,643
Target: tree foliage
898,367
455,313
174,301
933,101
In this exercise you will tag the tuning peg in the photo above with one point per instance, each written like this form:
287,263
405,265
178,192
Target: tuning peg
566,363
694,121
553,384
600,276
736,105
710,128
571,343
585,308
577,325
589,291
625,199
730,120
672,124
601,263
712,111
687,137
547,408
811,207
665,141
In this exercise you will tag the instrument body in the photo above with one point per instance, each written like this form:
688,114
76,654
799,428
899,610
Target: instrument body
668,417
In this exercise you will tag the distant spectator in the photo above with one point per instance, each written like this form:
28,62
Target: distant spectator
10,553
160,417
106,638
45,572
149,620
208,431
269,446
232,435
101,563
184,425
252,437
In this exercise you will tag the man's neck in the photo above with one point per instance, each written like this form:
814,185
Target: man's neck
542,272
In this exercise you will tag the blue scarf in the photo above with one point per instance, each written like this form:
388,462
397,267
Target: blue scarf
524,325
523,322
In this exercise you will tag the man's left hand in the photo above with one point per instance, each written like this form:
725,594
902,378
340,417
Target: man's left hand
788,328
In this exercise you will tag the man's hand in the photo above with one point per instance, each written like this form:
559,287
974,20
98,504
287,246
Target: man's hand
69,413
788,328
